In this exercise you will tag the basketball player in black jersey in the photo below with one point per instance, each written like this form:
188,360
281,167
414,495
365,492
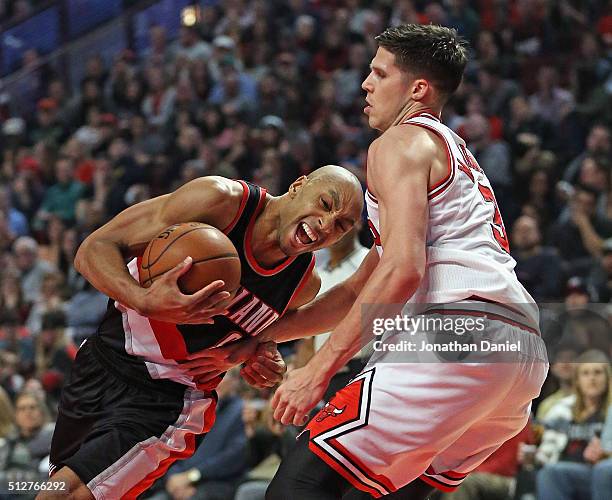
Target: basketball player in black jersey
135,401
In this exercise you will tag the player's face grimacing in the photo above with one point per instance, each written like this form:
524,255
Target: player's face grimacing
321,212
387,90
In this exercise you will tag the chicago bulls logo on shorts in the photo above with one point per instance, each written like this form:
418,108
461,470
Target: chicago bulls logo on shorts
329,410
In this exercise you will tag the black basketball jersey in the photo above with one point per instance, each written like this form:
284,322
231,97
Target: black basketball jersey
155,347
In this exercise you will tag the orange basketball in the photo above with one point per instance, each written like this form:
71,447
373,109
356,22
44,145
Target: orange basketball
214,257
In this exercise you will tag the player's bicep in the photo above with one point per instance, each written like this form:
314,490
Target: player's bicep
403,205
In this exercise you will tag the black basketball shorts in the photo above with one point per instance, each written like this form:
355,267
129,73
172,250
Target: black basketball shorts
119,433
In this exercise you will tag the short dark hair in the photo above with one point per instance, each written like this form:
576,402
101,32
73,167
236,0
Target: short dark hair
435,51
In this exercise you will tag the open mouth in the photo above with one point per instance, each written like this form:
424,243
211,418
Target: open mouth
305,235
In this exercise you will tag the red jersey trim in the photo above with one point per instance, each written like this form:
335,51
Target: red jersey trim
371,196
302,282
439,187
164,465
345,473
438,485
171,342
505,306
243,201
247,244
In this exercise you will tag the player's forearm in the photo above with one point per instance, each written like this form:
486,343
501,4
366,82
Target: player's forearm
319,316
389,284
102,264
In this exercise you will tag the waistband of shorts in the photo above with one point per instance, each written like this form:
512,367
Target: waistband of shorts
111,361
491,310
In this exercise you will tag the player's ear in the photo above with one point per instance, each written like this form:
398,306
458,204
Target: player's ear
419,89
296,185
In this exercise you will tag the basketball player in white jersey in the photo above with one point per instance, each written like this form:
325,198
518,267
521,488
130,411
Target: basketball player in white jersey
400,429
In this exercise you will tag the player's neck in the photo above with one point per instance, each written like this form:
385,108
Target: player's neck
264,238
413,108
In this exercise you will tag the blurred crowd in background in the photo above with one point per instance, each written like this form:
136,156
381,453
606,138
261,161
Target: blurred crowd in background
267,91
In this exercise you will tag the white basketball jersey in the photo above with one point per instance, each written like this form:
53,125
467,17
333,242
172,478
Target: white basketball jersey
467,245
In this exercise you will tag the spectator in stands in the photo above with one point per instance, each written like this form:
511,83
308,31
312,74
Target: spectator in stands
579,233
550,101
492,155
15,338
7,418
158,104
541,201
190,46
224,53
47,126
54,352
12,302
595,173
212,471
10,378
494,479
602,477
84,312
6,235
464,19
562,370
538,268
333,55
268,442
50,299
16,220
158,53
235,92
524,128
600,277
571,448
598,143
268,175
23,451
496,91
32,269
50,251
61,198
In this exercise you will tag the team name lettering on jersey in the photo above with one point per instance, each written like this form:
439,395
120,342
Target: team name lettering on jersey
250,313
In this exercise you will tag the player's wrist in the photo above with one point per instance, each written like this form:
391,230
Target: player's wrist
139,301
321,369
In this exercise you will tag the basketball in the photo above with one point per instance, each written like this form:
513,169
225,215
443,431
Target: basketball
214,257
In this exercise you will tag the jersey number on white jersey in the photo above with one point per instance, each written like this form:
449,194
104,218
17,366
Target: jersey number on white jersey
497,226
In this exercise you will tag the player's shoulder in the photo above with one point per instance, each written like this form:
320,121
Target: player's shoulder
403,144
216,189
405,138
215,198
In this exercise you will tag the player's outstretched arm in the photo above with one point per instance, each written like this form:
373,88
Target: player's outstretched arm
101,257
400,163
325,312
